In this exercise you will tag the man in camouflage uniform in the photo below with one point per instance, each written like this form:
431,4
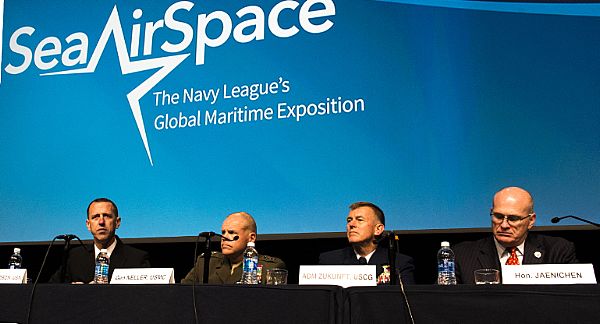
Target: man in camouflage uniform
226,266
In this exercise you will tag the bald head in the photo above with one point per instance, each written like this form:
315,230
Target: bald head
515,197
245,219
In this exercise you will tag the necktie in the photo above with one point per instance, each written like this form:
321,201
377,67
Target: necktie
362,261
512,259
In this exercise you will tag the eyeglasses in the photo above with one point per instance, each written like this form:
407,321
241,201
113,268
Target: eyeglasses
511,219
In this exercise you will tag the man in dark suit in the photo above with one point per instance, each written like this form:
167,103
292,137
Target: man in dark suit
364,224
511,243
102,221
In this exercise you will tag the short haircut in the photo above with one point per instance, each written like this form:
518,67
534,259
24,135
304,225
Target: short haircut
377,210
105,200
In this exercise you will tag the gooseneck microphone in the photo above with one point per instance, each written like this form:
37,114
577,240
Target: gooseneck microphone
209,235
66,237
558,219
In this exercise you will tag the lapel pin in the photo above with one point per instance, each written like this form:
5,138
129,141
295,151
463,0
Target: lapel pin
537,254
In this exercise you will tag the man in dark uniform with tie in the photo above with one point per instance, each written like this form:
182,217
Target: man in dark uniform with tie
364,224
512,217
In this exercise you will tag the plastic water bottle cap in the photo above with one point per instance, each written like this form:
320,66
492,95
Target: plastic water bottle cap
17,250
445,244
250,244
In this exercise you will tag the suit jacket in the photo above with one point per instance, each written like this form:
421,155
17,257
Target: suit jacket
81,263
482,254
219,269
346,256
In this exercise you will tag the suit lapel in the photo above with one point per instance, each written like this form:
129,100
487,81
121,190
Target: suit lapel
350,256
534,250
91,256
380,256
90,260
488,255
118,258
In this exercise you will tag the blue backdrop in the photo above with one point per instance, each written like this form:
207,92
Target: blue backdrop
292,111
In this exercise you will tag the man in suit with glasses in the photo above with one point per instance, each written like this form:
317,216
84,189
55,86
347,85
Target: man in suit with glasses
511,242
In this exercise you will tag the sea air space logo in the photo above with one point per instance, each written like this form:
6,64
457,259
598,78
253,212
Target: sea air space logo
55,56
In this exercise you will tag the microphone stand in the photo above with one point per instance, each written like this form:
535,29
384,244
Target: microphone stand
65,257
392,248
207,255
395,276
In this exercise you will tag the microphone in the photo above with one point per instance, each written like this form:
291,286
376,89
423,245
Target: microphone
208,235
385,235
66,237
555,220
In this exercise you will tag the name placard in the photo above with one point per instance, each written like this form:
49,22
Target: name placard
340,275
13,276
133,276
548,274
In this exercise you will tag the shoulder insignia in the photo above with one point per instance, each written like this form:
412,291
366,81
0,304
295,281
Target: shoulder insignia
268,258
213,254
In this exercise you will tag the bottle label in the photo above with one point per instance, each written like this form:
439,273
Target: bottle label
446,266
101,273
14,262
446,274
250,264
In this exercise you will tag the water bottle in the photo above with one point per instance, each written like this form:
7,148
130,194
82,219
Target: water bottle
445,257
16,260
249,276
101,272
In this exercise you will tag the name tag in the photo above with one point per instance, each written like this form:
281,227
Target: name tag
132,276
339,275
13,276
548,274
